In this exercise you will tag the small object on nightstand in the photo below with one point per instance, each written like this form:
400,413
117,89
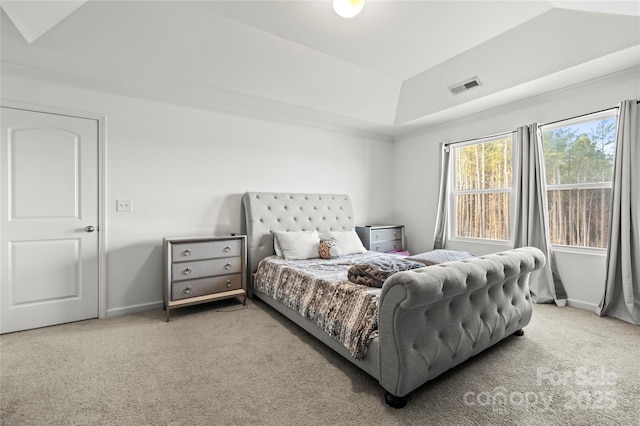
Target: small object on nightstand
400,252
203,269
382,238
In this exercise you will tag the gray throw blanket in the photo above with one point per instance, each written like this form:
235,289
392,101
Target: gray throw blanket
439,256
375,272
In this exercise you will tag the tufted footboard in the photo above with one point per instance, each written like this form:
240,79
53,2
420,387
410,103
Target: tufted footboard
433,318
429,319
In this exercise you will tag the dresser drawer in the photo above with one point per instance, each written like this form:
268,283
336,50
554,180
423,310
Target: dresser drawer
382,238
385,246
204,286
185,252
385,234
205,268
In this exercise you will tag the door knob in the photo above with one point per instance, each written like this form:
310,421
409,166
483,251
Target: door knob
90,228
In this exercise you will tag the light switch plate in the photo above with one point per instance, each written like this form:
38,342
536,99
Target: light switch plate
124,206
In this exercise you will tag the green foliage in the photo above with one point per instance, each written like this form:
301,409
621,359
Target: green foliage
580,216
575,155
484,167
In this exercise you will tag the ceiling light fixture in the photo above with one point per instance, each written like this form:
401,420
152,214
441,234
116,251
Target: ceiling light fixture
348,8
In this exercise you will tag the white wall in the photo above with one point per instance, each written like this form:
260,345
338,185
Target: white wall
186,169
417,169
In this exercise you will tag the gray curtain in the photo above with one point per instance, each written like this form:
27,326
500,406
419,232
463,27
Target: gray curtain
440,236
531,215
621,297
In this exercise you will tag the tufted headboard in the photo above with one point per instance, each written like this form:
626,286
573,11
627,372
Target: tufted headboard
266,212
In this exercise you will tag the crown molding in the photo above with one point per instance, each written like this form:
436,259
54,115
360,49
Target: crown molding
233,103
628,74
263,109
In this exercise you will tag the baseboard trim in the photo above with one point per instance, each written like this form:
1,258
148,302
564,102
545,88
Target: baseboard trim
582,305
126,310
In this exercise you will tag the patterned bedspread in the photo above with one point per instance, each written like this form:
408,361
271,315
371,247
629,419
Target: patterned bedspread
319,290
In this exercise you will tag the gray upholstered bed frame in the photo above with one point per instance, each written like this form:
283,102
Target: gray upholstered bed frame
429,319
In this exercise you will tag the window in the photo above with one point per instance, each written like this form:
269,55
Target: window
481,194
578,157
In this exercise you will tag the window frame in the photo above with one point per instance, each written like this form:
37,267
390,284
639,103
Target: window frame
452,201
569,122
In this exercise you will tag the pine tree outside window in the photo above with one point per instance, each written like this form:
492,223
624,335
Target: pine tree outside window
579,170
482,191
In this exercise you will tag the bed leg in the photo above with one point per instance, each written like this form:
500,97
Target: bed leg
395,401
519,333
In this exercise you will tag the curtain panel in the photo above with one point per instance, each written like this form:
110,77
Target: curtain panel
440,235
621,298
531,214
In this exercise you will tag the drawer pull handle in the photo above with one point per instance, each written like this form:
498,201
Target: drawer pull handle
227,249
228,283
186,271
187,252
377,248
227,266
395,234
377,236
188,290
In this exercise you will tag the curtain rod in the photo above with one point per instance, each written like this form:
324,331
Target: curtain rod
578,116
540,125
479,139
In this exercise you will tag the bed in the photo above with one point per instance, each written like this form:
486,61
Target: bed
423,321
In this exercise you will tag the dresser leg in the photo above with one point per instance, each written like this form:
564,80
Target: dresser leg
166,314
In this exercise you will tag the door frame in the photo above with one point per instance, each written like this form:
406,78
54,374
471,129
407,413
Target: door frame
102,187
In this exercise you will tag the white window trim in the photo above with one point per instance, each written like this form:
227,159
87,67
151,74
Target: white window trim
597,251
452,199
601,115
570,186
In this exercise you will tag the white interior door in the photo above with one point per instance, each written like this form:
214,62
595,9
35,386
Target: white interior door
49,219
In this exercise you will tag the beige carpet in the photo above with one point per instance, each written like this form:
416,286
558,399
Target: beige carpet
220,364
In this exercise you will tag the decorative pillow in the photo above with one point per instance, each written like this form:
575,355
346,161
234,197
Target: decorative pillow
296,245
440,256
330,249
348,241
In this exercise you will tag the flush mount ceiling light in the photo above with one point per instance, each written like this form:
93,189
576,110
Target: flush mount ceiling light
348,8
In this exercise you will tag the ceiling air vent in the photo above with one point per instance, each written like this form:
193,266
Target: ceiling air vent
465,85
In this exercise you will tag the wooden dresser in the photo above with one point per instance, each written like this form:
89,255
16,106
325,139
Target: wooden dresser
382,238
203,269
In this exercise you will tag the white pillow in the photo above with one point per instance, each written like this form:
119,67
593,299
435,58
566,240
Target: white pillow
296,245
348,240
